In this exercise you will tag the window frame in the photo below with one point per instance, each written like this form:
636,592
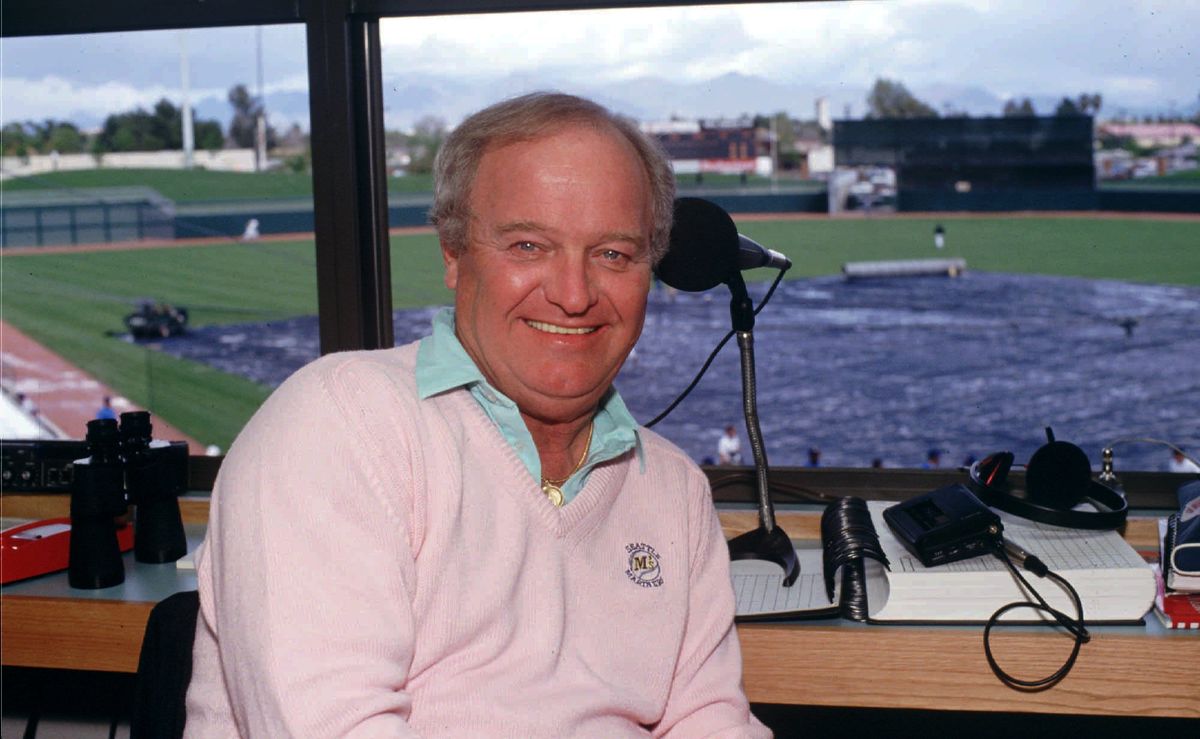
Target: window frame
349,172
350,179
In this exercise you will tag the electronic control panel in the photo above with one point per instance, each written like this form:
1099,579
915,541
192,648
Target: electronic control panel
39,466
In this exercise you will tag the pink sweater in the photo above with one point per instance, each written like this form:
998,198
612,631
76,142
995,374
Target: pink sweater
381,566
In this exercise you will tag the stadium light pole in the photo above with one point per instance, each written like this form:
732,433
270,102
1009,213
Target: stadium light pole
189,143
260,125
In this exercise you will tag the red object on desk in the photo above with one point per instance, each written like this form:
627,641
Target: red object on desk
41,547
1179,610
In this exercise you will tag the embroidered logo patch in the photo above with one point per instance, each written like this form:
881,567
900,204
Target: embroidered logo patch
644,566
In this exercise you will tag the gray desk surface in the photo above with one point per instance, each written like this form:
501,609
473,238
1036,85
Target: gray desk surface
143,582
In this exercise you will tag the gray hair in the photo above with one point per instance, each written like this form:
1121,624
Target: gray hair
526,118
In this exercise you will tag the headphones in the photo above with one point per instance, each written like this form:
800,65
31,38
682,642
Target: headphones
1057,478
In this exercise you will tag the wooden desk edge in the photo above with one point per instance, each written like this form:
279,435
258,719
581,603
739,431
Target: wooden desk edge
782,662
72,634
193,509
893,667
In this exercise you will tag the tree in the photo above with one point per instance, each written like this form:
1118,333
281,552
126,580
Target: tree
1090,104
30,137
139,130
891,99
1013,109
785,132
64,138
17,141
1085,104
245,116
244,126
1067,107
131,131
206,134
423,144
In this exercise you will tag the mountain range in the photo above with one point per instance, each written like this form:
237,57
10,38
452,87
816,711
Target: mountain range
655,99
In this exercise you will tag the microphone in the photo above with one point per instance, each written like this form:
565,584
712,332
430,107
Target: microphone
706,249
752,254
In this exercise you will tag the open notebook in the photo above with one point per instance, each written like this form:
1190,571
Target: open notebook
1113,582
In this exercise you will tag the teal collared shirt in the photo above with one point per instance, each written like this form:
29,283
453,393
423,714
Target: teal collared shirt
443,364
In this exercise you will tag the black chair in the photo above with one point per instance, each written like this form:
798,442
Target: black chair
165,668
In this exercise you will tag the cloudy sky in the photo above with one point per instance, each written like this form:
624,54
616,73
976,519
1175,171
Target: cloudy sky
1141,55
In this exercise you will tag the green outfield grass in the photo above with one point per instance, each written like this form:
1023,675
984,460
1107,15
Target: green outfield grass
199,185
182,186
72,302
1141,250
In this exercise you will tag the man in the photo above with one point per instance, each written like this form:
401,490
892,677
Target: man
729,447
933,459
106,410
814,457
470,536
1180,464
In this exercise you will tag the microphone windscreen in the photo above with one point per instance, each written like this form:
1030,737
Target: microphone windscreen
704,247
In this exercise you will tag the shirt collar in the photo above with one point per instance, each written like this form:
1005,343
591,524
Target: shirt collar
443,364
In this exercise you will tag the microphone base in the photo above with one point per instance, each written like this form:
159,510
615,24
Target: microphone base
771,545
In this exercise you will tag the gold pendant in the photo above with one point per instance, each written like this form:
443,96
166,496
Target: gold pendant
554,493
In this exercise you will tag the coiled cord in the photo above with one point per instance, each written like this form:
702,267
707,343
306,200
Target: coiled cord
1075,625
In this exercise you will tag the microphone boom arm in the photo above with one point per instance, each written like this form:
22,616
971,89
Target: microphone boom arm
768,541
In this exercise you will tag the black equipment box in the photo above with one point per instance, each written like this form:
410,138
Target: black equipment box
48,465
41,465
945,525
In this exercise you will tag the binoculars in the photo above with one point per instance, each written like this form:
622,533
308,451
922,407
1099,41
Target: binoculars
124,467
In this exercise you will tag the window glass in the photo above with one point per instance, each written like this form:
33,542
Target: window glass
1044,161
148,263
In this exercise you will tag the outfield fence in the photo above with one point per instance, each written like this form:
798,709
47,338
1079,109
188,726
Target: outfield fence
87,216
54,217
1144,199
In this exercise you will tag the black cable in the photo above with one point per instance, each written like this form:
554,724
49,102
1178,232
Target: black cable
770,291
679,399
1073,625
720,345
797,493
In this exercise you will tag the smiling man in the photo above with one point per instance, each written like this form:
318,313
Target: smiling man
470,535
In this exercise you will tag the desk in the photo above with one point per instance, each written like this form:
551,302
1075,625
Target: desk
46,623
1124,671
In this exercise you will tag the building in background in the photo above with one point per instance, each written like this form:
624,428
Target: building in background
1153,135
702,147
954,164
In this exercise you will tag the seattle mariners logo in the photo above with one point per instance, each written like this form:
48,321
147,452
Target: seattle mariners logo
644,566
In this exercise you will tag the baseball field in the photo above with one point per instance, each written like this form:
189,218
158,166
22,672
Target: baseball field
74,301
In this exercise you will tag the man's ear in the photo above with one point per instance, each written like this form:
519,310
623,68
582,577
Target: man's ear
450,259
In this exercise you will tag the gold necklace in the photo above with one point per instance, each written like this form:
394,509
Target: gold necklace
553,488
